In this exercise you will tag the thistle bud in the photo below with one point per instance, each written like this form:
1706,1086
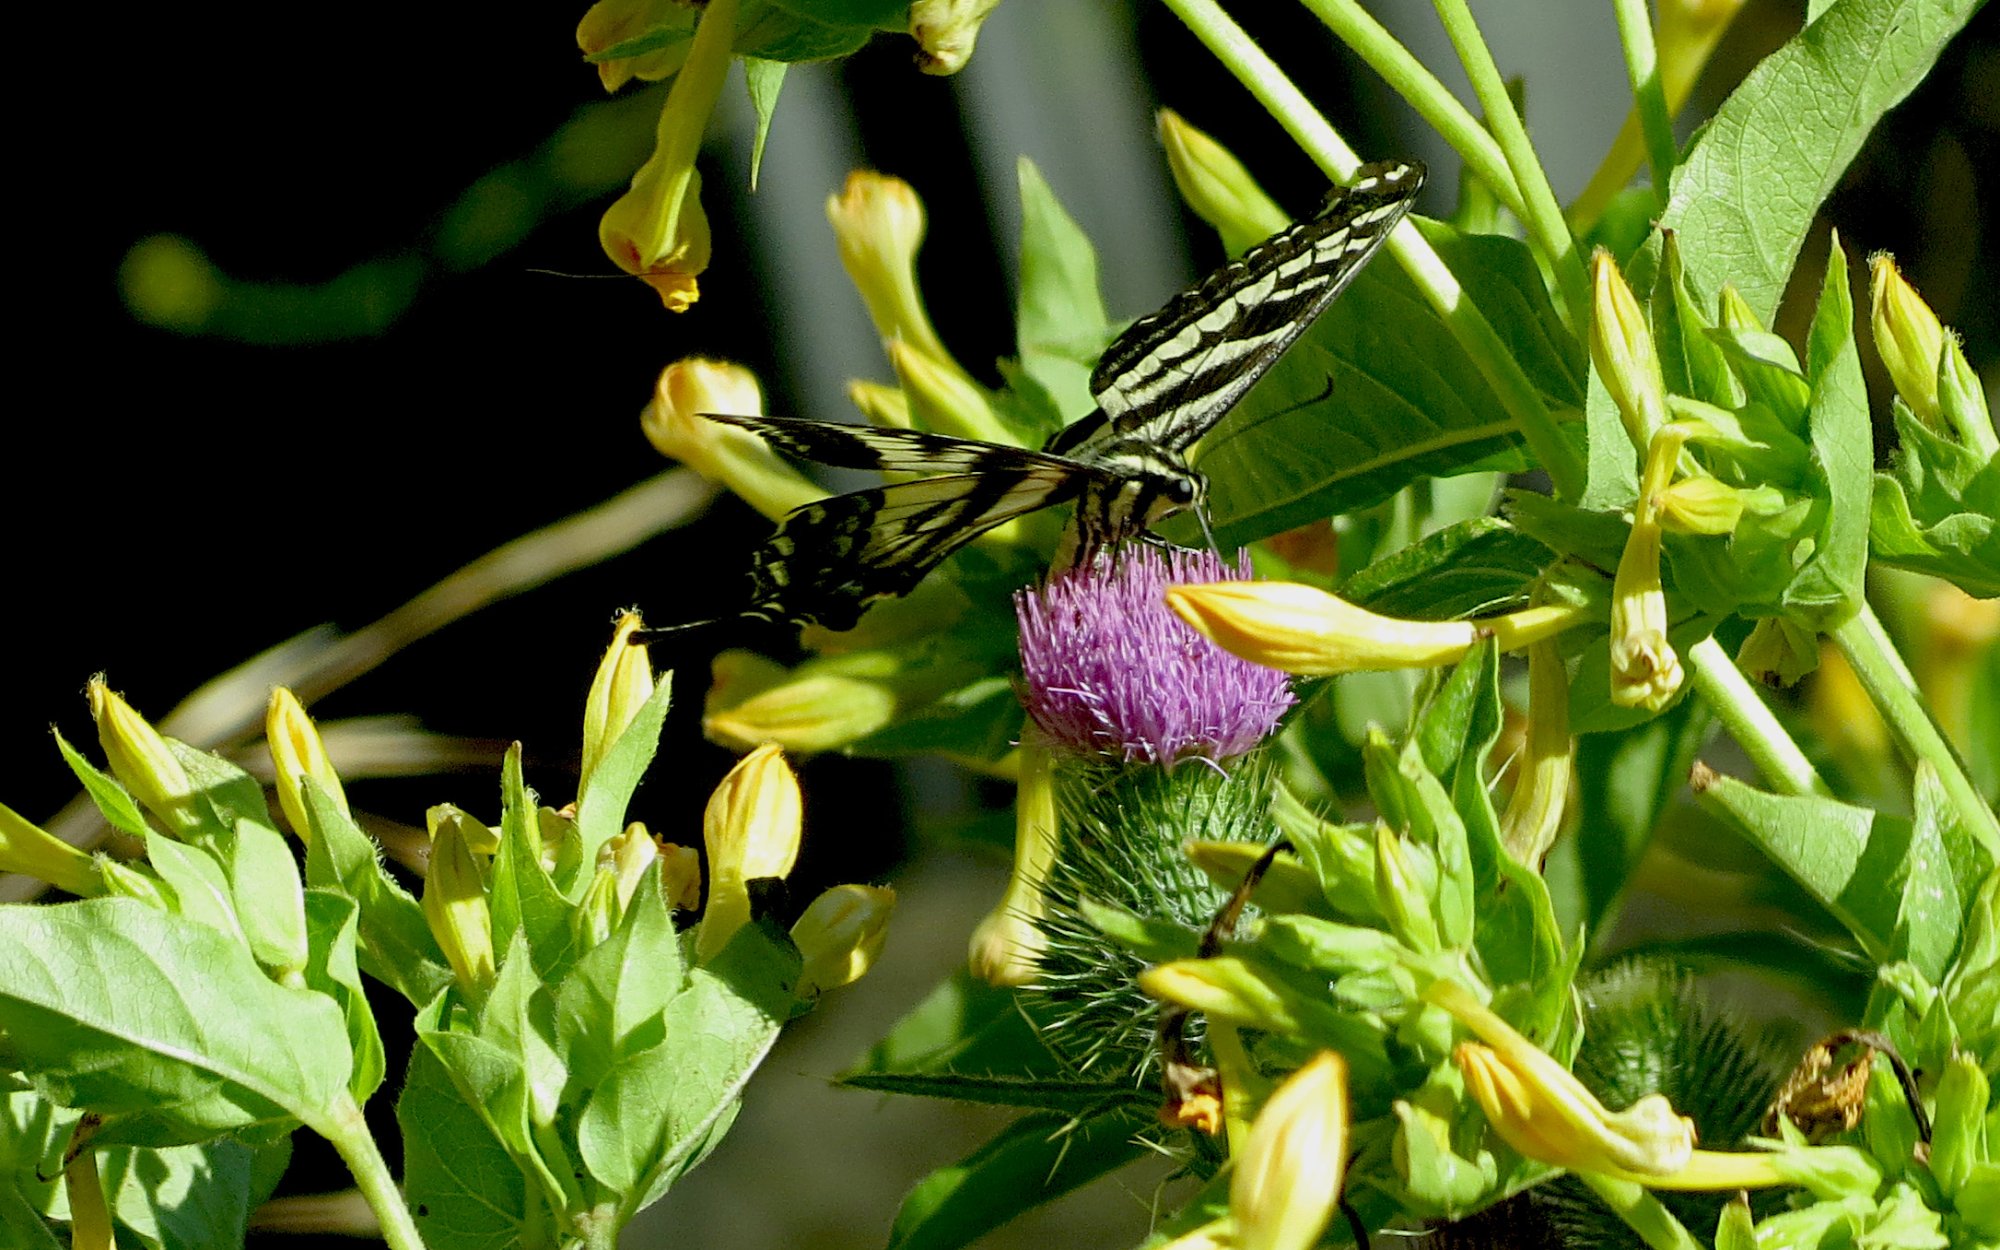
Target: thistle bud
623,683
27,848
945,31
1621,347
727,455
455,906
752,830
142,760
657,230
840,935
1908,336
1217,186
1007,943
879,223
298,753
1290,1170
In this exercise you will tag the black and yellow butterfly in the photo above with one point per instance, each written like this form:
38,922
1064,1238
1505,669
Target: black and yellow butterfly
1161,386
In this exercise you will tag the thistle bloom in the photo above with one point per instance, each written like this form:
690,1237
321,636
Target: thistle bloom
1110,671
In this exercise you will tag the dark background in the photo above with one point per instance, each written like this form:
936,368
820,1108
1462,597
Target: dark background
175,504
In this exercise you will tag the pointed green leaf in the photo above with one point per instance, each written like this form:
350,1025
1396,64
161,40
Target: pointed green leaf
462,1185
600,808
120,809
1828,589
1037,1093
1501,278
183,1197
1756,175
763,78
610,1004
1474,568
1060,326
396,946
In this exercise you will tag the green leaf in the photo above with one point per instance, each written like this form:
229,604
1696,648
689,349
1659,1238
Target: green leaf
330,920
1625,780
1376,395
1473,568
610,1004
1888,882
225,792
117,1006
462,1185
980,720
396,946
1828,589
600,807
661,1107
1154,939
1755,176
880,14
1038,1093
1691,360
525,899
201,892
183,1197
964,1025
1035,1160
780,31
269,898
1611,466
120,809
763,78
1059,328
1937,509
1500,276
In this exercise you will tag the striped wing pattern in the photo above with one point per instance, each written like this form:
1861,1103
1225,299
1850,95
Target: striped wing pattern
830,558
899,451
1170,377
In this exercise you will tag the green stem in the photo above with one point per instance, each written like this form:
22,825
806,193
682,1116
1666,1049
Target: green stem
1283,100
1883,675
1434,102
347,1130
1642,66
1743,713
1544,218
1642,1211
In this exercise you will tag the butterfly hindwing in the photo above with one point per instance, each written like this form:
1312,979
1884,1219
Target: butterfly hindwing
830,558
867,447
1173,375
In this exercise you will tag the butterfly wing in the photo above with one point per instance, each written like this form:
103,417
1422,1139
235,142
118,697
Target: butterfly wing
829,559
867,447
1169,378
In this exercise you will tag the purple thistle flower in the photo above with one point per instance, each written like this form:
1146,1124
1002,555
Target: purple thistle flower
1112,671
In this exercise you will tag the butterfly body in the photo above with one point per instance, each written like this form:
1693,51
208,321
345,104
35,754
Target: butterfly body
1160,387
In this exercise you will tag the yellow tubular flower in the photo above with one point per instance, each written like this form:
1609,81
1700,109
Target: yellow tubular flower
883,405
727,455
612,22
1289,1173
623,683
680,876
840,935
629,855
455,907
296,754
141,758
945,31
656,230
879,223
1304,630
752,830
27,848
1217,186
823,704
1007,945
90,1214
942,397
1621,346
1908,336
1645,669
1542,783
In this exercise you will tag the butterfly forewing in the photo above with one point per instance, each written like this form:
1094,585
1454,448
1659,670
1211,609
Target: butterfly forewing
1170,378
866,447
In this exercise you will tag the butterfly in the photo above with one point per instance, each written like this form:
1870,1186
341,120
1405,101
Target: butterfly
1160,387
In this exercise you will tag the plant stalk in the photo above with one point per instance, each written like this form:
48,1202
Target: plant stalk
1743,713
1280,97
347,1130
1887,680
1649,96
1646,1215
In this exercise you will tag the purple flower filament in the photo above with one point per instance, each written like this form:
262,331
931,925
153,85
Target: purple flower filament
1110,670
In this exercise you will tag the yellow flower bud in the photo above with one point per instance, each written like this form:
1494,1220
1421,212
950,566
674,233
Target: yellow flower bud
1778,652
1217,186
1907,335
752,830
945,31
1289,1173
1007,944
727,455
882,404
1701,505
680,876
455,906
477,834
1542,782
1645,669
297,753
623,683
879,223
27,848
612,22
1621,346
823,704
942,398
142,760
628,855
597,912
1304,630
125,881
657,230
840,935
1733,312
